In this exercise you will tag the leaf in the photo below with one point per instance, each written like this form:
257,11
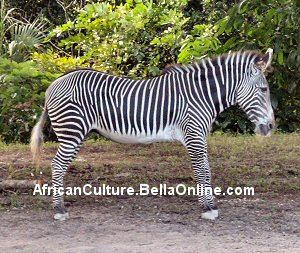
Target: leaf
155,71
229,44
11,48
271,13
222,25
140,9
280,58
215,44
238,22
155,41
229,25
243,6
7,15
139,25
129,2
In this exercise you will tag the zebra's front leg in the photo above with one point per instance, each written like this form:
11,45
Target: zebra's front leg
60,163
197,148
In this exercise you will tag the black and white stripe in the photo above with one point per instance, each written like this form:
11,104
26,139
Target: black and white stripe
181,104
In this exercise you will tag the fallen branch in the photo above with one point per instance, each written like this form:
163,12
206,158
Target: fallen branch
18,184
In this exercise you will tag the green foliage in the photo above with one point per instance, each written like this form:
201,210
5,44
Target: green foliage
53,11
202,41
17,38
25,38
6,21
54,63
22,91
136,38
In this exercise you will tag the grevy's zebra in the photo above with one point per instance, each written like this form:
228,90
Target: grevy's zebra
181,104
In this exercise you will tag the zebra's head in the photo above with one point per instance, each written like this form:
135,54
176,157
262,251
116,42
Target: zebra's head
253,95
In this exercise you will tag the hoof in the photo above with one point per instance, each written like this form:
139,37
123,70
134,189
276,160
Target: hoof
210,214
61,216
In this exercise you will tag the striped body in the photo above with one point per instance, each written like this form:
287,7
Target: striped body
122,109
133,111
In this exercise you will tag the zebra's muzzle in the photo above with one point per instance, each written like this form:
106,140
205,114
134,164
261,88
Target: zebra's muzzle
264,129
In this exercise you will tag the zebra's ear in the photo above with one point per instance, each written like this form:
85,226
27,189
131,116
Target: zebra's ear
264,62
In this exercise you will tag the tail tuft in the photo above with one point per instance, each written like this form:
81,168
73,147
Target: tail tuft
36,140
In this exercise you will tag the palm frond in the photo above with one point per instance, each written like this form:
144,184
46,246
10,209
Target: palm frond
25,38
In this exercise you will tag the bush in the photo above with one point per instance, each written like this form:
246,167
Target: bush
22,91
52,62
137,38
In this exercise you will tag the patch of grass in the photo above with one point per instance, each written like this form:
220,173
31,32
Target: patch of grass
13,146
22,146
41,202
15,200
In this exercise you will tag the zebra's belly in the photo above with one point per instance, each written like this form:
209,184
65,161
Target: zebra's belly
167,134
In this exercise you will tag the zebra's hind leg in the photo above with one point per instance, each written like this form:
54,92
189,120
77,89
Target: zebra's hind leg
197,148
64,156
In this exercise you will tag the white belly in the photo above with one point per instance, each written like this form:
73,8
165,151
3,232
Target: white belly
168,134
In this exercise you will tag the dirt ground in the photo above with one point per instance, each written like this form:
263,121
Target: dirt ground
135,225
267,222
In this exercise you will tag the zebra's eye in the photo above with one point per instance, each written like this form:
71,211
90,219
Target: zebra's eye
263,89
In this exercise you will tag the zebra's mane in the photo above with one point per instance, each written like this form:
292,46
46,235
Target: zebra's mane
170,68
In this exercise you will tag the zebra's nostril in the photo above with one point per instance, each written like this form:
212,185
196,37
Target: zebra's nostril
270,126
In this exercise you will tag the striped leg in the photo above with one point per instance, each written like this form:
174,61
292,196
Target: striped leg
66,153
197,148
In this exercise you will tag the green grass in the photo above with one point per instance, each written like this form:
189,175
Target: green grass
22,146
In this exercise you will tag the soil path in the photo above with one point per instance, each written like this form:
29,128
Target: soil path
256,225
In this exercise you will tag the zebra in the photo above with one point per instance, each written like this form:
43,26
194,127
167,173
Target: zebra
179,105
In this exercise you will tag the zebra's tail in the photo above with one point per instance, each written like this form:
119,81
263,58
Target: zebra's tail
36,140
